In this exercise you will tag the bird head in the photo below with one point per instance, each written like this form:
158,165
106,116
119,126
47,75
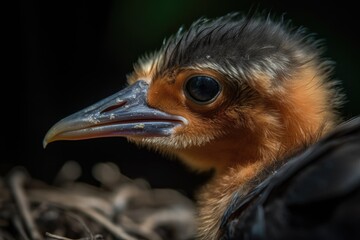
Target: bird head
228,91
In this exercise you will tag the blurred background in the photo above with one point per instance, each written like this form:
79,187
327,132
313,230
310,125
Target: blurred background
77,52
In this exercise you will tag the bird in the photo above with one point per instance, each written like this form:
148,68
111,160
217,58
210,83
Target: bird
253,99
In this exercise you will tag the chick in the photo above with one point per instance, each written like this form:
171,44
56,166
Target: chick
239,95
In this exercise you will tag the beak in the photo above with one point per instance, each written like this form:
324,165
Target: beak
122,114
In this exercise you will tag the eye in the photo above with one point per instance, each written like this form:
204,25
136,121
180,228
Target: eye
202,89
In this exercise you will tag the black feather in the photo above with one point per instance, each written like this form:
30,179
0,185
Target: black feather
246,42
315,195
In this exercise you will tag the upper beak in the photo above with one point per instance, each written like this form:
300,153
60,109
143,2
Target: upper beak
122,114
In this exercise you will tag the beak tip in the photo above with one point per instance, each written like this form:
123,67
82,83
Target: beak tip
46,140
49,137
44,143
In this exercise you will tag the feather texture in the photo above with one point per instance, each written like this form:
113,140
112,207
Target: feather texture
315,195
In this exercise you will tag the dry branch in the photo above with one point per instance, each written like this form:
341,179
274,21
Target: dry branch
119,209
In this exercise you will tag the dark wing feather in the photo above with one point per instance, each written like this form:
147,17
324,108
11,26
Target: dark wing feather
315,195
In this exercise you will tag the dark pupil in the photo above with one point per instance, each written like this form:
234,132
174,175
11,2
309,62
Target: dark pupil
202,88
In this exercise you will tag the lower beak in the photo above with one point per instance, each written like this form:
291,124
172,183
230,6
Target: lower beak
122,114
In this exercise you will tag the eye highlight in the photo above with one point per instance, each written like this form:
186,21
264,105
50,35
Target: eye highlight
202,89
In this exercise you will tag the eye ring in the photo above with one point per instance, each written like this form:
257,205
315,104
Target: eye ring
202,89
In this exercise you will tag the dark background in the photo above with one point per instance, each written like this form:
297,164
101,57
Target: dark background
75,53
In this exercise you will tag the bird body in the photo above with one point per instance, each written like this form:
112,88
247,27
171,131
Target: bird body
314,195
240,95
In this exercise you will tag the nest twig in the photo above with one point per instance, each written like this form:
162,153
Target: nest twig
69,210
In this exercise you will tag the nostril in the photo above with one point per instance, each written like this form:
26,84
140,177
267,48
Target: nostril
113,107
